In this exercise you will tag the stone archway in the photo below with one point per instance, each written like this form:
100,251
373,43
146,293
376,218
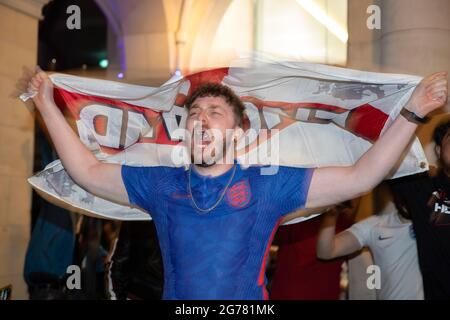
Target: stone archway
142,39
159,37
198,32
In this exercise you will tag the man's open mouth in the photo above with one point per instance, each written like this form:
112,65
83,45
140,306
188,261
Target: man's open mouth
202,138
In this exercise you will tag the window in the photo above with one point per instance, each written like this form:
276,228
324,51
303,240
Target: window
309,30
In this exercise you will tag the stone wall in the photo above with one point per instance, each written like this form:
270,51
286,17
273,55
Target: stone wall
18,38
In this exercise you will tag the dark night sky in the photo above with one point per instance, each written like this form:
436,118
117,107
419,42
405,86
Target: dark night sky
72,48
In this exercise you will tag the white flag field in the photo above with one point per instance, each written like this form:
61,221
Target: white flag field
298,114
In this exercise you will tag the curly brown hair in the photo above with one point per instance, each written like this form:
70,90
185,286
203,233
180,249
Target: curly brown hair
219,90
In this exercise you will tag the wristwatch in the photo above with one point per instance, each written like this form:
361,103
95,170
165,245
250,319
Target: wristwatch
412,117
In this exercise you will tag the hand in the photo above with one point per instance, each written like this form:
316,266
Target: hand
41,83
429,95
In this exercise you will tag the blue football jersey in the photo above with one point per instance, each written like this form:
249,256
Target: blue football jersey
220,254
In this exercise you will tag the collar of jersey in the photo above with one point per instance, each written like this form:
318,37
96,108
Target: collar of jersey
198,179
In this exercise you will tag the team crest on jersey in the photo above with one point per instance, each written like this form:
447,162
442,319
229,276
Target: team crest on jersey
239,194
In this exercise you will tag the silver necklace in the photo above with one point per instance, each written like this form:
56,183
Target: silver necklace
220,198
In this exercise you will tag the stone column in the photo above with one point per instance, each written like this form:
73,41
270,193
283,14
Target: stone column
415,39
18,38
363,43
415,36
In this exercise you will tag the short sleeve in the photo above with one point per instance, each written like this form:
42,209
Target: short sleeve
290,188
140,183
362,230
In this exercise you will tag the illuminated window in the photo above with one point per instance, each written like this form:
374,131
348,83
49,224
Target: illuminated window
310,30
232,36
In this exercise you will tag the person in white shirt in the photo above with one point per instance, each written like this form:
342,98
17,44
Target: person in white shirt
390,237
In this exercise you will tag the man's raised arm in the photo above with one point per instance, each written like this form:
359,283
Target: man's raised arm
101,179
336,184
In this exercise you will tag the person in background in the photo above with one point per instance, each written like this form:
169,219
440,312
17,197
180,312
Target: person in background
134,269
390,237
427,198
52,243
299,275
91,250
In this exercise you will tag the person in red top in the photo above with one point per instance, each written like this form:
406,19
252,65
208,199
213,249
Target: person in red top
299,274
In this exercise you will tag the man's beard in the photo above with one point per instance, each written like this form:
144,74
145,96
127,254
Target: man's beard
206,165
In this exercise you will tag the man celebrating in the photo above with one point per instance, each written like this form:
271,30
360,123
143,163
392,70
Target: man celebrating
427,199
215,221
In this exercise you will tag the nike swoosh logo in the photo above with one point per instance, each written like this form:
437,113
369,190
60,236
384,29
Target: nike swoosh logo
383,238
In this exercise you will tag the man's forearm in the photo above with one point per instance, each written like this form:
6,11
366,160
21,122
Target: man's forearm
327,232
379,160
75,157
101,179
303,213
430,94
